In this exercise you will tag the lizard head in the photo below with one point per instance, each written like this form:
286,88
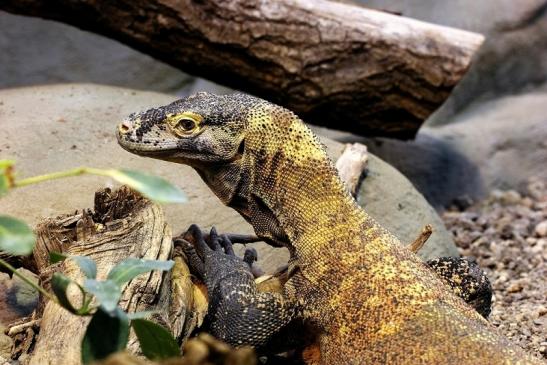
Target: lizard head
254,155
202,129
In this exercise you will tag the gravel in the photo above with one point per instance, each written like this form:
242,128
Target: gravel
507,235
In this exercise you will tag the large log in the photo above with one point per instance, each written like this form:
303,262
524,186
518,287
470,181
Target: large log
336,65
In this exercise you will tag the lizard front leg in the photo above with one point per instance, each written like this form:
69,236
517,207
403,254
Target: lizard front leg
238,313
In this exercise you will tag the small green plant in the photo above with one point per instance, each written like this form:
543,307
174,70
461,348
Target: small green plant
108,330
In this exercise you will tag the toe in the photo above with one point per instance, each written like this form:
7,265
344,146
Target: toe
195,235
193,260
227,245
214,240
250,256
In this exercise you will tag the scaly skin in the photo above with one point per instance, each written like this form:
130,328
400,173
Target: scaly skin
369,299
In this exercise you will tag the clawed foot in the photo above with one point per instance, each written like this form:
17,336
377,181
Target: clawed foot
235,307
211,255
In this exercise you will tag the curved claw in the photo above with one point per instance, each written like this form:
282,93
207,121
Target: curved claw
242,238
227,245
195,263
214,240
195,235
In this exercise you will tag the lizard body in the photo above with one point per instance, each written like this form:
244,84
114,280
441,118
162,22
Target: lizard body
367,297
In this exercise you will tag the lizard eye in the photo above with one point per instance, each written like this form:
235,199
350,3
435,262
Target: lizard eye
186,125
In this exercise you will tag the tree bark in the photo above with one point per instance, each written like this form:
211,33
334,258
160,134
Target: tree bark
334,64
123,224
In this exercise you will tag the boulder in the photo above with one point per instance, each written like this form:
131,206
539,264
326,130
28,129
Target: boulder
53,128
505,139
17,298
512,60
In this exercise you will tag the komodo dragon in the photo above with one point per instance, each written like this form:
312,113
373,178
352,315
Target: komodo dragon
369,299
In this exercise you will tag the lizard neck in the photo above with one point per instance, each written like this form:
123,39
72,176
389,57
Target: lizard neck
313,208
290,175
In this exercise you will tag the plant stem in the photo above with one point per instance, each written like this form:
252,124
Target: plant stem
57,175
28,281
52,176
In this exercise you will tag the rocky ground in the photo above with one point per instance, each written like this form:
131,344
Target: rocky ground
507,235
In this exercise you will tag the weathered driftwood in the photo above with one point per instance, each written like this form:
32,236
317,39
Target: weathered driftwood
337,65
352,164
123,224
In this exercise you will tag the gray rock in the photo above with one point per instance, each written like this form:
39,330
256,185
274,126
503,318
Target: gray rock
512,60
66,126
17,298
25,296
505,138
541,229
394,202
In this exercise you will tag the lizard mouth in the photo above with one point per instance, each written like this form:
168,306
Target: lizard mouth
144,147
144,150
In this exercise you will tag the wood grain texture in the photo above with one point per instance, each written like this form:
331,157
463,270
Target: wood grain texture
122,225
334,64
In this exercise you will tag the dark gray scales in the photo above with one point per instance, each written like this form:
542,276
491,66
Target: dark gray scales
467,280
238,313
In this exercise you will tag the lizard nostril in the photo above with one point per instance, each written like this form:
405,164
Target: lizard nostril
124,127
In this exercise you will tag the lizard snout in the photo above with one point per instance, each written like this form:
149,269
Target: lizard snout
125,127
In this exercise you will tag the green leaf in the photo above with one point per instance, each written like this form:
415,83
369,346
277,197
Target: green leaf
131,267
152,187
156,342
6,177
106,334
55,257
16,237
59,285
87,265
108,292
